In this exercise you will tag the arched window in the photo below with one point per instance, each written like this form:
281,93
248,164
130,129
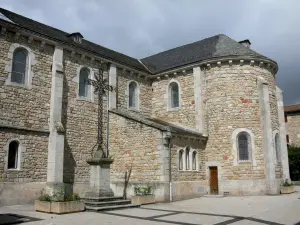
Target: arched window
187,158
180,160
12,162
133,95
83,82
174,95
19,66
277,148
243,144
194,160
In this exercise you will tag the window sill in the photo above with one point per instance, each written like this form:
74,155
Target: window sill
81,98
244,161
133,109
14,84
173,109
13,170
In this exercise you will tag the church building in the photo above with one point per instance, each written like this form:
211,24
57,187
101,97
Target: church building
203,118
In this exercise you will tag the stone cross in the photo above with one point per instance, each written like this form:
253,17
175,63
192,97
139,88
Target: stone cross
101,87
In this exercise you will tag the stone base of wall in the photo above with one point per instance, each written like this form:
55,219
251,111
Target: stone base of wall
19,193
188,189
245,187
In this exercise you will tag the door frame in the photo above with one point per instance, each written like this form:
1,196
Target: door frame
209,168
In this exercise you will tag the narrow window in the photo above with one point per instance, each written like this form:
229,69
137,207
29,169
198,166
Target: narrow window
180,160
287,139
133,95
243,146
13,155
19,66
83,82
174,95
277,148
187,158
194,160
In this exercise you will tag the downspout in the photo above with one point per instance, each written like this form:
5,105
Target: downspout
107,119
206,108
170,170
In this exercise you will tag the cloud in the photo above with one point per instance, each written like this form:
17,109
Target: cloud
140,28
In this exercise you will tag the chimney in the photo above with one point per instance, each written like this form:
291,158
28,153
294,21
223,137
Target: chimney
246,43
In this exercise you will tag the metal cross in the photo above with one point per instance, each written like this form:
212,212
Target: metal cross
101,87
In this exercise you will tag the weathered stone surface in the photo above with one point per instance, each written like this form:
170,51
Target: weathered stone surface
293,129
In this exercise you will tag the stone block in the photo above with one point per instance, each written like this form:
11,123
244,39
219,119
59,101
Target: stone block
287,189
59,207
143,199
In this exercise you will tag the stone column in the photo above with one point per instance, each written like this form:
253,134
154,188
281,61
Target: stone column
113,82
282,137
56,137
198,99
271,181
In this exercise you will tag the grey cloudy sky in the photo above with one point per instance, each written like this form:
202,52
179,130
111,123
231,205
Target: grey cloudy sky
140,28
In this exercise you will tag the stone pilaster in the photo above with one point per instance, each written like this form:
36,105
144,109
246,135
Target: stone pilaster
282,136
56,137
198,99
271,182
113,82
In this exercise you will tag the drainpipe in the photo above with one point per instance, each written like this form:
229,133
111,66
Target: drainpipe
170,170
107,119
206,109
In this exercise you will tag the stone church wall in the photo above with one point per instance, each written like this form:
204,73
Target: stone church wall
185,115
187,183
24,108
293,129
233,102
137,146
79,120
145,96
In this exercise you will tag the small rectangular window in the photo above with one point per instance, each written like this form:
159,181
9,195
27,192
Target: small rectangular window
287,139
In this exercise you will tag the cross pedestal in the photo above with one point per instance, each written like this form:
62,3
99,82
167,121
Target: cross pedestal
99,177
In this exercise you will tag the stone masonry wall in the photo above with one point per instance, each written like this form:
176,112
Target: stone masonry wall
137,145
79,120
232,103
33,165
187,175
293,129
21,106
185,115
145,92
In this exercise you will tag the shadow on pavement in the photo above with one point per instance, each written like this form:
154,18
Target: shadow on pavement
9,218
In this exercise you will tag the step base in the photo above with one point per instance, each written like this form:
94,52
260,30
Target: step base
109,208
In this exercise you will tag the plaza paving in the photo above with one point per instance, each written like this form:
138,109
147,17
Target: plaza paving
272,210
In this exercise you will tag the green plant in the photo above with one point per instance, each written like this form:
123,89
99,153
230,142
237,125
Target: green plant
294,161
45,198
287,184
143,190
58,196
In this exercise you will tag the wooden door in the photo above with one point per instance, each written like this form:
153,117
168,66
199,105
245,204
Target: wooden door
214,187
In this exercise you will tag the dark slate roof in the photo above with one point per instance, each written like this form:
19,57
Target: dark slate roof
156,123
59,35
210,48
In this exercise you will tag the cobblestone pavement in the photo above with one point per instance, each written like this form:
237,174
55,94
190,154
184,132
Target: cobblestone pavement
272,210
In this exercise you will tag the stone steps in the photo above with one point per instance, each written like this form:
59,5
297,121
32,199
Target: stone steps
109,208
107,203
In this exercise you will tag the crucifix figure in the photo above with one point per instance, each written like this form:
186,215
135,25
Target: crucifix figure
101,86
